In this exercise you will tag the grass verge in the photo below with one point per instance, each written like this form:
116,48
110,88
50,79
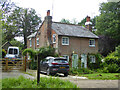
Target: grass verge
22,82
102,76
0,84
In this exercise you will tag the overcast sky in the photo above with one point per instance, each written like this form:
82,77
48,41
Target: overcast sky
68,9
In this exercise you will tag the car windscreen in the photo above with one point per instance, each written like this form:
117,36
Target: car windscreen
60,61
10,51
13,51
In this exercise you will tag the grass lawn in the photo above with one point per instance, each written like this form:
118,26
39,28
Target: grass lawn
0,84
22,82
102,76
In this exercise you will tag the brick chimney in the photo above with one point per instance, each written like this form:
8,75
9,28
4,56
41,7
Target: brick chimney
88,23
48,13
48,26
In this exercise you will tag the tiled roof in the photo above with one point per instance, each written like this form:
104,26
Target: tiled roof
72,30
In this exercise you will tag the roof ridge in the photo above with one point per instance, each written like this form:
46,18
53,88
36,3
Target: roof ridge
66,23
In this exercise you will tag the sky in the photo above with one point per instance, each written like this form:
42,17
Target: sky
59,9
68,9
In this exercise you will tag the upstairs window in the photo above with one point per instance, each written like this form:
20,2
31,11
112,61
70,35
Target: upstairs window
92,42
54,38
92,58
65,41
30,42
37,41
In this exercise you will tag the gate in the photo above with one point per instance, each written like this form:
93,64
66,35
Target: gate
14,64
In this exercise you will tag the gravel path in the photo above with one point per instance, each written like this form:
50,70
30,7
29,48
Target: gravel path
81,82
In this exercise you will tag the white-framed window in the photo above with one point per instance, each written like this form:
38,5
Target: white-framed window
92,58
92,42
30,42
54,38
37,41
65,41
67,57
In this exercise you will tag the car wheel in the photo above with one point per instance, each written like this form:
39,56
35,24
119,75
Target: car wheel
65,74
48,71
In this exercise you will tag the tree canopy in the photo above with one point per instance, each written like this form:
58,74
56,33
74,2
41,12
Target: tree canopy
107,24
19,21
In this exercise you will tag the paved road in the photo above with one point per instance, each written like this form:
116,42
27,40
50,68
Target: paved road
81,82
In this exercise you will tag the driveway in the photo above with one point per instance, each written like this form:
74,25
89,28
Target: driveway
81,82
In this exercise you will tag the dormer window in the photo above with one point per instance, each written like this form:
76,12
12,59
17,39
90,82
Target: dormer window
92,42
54,38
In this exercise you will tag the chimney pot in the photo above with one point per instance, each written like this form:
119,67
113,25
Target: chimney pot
48,13
88,19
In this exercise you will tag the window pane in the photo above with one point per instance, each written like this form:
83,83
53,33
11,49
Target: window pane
15,51
10,51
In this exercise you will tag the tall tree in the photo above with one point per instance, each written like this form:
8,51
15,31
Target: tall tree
108,27
6,7
22,22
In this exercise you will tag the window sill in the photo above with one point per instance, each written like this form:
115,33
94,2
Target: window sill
54,42
65,44
91,45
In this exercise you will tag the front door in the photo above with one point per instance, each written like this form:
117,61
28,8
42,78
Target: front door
75,60
83,60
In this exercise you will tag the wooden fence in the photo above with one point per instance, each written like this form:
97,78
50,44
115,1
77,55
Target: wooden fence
14,64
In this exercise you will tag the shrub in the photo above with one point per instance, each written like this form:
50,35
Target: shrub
95,65
33,66
75,71
113,68
3,53
112,61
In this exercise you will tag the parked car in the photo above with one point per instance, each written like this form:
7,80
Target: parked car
53,65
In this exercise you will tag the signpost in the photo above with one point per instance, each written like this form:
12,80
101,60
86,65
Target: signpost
38,69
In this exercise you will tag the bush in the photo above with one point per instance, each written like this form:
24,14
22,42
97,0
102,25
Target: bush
111,63
113,68
74,71
33,66
95,65
3,53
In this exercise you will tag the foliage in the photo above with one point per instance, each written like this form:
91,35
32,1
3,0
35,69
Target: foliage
31,53
33,65
46,51
67,21
17,43
106,44
22,82
102,76
83,21
0,33
117,52
97,62
112,61
42,53
75,71
107,24
21,22
3,53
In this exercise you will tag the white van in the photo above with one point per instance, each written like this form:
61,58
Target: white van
12,52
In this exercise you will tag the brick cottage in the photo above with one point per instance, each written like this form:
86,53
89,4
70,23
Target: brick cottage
71,41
